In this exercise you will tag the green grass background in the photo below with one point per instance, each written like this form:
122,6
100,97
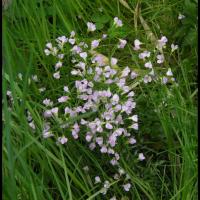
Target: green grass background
40,170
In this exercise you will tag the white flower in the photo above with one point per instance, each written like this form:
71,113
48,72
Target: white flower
54,110
72,41
118,22
122,43
95,44
148,65
125,72
164,80
114,61
174,47
83,55
141,157
127,187
60,56
63,99
133,75
86,168
47,102
58,65
147,79
104,36
180,16
42,89
109,126
56,75
97,179
162,42
49,45
134,126
137,44
88,137
32,125
132,140
62,39
103,149
169,72
134,118
144,54
160,59
47,52
47,114
66,89
20,76
47,134
35,78
115,99
72,34
131,94
91,26
62,140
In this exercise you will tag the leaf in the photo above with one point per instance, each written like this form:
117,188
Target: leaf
103,19
99,26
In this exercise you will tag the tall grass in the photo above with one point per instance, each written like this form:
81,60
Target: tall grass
38,169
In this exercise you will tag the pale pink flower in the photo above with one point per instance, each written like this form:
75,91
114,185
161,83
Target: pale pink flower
47,134
144,54
122,43
169,72
66,89
118,22
72,41
99,141
147,79
91,27
103,149
54,110
134,118
160,58
47,114
148,65
181,16
49,45
88,137
56,75
125,72
137,44
83,55
164,80
174,47
134,126
113,162
133,75
63,99
97,180
72,34
95,44
32,125
113,61
104,36
58,65
61,56
92,146
62,140
127,187
109,126
162,42
132,140
141,157
47,102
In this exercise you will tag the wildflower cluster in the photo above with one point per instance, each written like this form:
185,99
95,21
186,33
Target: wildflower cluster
104,115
